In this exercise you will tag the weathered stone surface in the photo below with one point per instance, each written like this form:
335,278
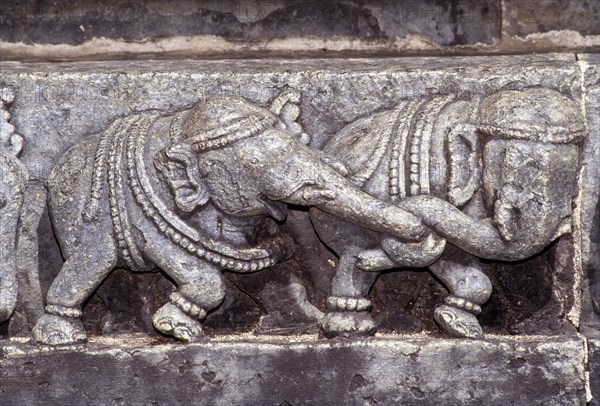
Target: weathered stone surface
524,17
589,197
82,30
454,22
78,99
594,367
235,370
554,292
13,180
30,300
61,104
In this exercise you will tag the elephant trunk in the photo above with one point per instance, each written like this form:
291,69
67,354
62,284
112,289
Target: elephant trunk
309,180
478,237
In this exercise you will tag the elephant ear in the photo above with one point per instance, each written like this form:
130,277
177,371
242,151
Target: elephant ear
179,166
465,163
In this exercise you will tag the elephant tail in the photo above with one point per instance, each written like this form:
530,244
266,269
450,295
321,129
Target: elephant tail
100,170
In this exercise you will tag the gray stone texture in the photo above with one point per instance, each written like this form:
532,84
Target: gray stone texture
80,30
590,209
299,371
60,104
594,367
29,252
446,22
57,105
13,180
524,17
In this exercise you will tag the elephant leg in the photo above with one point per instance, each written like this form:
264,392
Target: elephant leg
77,280
469,289
13,177
200,288
348,306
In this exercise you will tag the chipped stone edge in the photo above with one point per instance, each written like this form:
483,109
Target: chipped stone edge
308,46
567,39
586,362
21,346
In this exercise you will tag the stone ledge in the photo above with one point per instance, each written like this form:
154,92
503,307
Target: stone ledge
384,370
113,29
594,367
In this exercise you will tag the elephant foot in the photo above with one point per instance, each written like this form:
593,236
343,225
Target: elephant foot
172,321
348,324
57,330
348,317
458,322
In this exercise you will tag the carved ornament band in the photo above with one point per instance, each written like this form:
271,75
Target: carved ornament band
169,224
337,303
187,306
463,304
64,311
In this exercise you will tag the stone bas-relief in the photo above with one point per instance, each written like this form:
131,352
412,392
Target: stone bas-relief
202,190
390,195
13,178
493,177
191,194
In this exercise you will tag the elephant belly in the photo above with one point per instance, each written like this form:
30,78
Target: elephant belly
339,234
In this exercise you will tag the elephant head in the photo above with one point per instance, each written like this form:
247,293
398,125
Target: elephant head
530,158
226,165
242,158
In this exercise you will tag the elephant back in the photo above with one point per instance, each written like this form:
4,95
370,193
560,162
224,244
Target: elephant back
388,153
362,145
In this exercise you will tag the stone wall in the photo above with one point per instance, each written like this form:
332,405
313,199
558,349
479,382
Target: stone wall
79,30
69,69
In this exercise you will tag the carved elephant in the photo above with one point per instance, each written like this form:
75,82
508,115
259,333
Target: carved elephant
13,178
192,194
494,177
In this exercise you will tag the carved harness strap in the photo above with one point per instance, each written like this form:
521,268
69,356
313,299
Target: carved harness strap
108,169
125,141
400,134
409,158
218,253
118,209
387,133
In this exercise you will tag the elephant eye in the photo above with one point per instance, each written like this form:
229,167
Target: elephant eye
177,166
177,169
532,164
